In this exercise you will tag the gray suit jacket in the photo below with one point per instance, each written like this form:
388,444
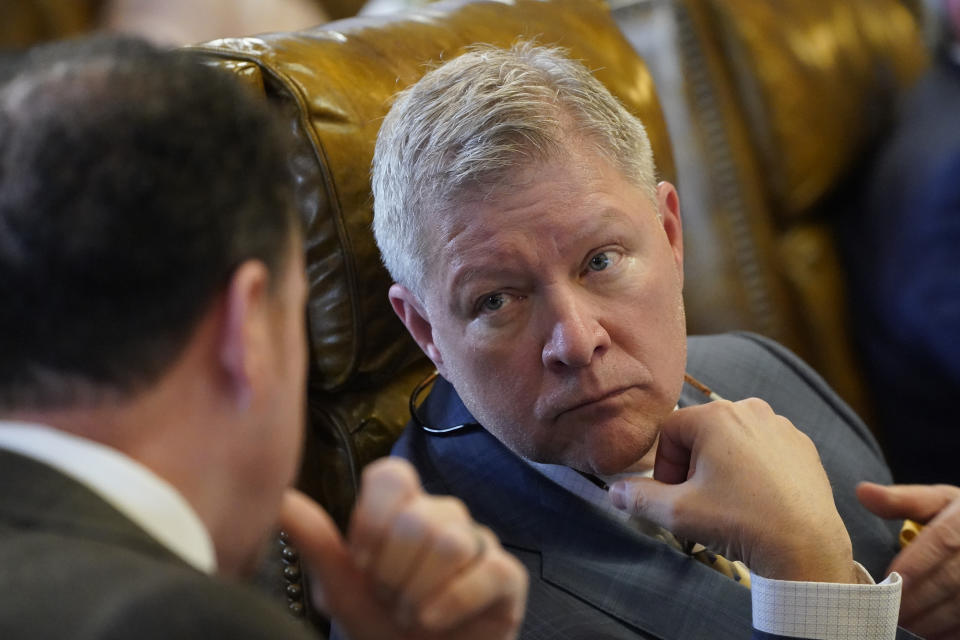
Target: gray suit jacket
71,566
592,577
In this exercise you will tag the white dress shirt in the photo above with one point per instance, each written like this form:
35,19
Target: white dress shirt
131,488
818,610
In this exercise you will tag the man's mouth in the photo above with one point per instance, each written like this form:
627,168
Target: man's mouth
592,400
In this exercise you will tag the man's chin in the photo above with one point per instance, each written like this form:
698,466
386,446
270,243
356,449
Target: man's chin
598,454
609,462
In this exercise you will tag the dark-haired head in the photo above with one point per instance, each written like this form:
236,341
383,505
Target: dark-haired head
133,181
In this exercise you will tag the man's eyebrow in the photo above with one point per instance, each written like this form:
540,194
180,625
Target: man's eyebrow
465,274
610,221
606,216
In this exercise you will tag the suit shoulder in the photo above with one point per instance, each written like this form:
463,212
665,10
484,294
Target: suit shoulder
737,362
56,581
743,364
183,604
171,604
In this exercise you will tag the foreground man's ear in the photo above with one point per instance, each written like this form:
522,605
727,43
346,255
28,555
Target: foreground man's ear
408,308
244,331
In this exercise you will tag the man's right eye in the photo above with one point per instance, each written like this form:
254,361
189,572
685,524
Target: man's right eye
492,302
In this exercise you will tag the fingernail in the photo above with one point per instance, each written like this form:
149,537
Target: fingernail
618,495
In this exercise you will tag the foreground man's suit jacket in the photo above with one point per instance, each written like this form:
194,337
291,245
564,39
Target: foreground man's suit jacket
592,577
73,567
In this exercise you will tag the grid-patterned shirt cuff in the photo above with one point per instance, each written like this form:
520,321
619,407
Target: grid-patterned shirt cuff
826,610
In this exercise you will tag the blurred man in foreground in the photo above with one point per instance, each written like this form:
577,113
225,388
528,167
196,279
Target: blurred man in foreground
539,264
152,378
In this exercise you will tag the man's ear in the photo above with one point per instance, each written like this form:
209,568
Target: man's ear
244,331
668,207
408,308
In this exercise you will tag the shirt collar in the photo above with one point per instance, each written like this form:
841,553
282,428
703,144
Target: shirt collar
134,490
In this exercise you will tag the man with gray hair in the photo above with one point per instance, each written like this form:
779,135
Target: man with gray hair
539,265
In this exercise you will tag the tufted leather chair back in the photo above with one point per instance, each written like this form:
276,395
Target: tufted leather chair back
333,85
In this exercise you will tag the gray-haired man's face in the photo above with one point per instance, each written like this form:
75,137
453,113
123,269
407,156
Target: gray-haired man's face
554,307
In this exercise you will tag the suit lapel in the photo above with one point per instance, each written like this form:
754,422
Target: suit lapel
599,560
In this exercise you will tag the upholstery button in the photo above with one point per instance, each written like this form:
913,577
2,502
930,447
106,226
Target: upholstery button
290,554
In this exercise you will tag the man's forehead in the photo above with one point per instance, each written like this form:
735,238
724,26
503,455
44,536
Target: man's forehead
528,200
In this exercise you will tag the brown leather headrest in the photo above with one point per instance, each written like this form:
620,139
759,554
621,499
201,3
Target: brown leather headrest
815,78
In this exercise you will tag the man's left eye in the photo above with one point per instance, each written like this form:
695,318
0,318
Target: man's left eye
599,262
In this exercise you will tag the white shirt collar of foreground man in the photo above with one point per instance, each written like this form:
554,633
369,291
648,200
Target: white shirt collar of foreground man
131,488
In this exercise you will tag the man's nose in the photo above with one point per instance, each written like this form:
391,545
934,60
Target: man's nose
576,334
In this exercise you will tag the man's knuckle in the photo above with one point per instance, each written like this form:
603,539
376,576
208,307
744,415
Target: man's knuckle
453,507
502,569
453,544
756,404
374,471
408,523
724,406
806,441
674,511
948,538
390,471
457,599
